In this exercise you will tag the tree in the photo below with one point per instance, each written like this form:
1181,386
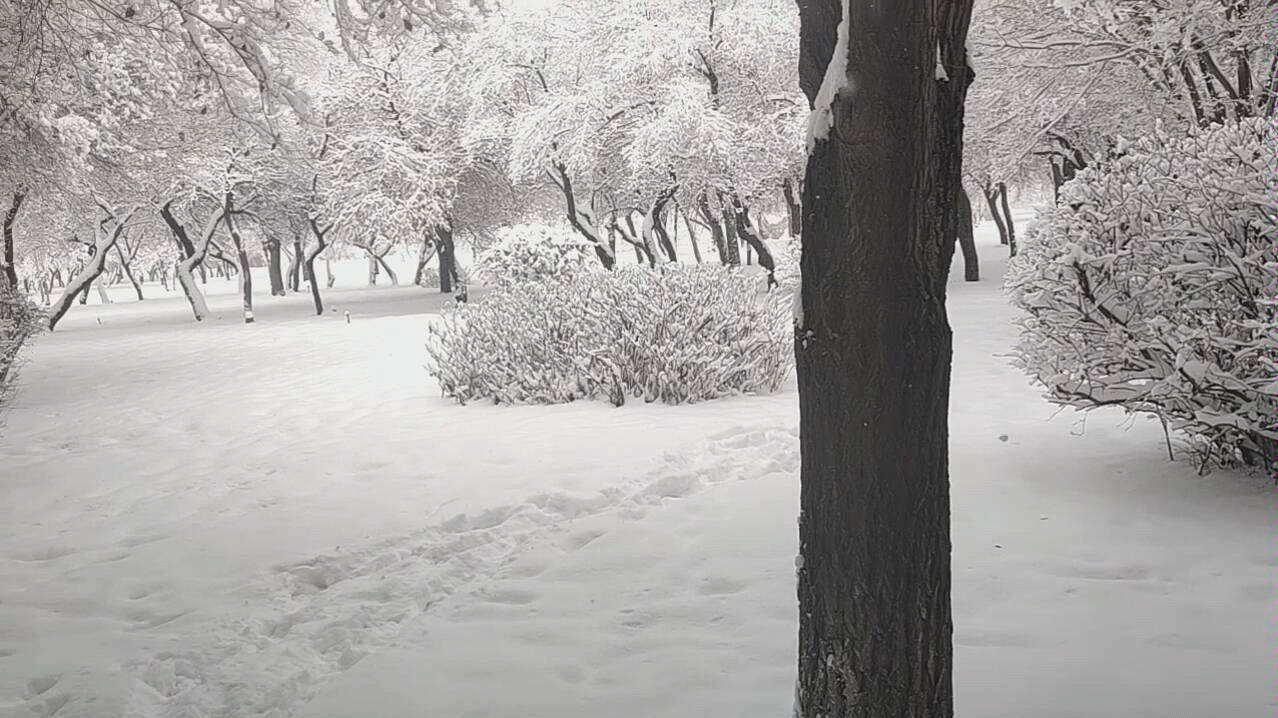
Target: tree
873,353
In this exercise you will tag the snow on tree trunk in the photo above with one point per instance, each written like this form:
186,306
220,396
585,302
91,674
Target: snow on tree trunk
692,236
749,233
873,353
103,297
10,270
390,273
793,212
79,284
372,267
246,275
967,238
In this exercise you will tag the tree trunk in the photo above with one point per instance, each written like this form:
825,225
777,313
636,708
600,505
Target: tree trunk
246,275
692,236
873,353
372,268
124,267
390,273
79,284
578,219
731,243
103,297
792,209
308,262
447,259
1007,219
328,270
749,233
10,269
275,266
991,198
967,238
424,255
295,265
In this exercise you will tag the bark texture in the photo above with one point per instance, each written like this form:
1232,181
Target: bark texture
873,355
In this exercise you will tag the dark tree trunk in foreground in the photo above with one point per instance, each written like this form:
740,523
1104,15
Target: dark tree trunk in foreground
275,266
873,356
11,271
967,238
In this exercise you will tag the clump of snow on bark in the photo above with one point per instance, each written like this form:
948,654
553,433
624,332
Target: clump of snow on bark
836,79
941,74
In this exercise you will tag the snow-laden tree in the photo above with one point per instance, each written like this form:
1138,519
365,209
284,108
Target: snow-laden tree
692,105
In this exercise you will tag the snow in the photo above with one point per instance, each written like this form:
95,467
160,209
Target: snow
285,518
836,80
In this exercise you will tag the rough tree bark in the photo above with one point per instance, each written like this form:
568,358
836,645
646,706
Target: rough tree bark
967,238
873,352
10,269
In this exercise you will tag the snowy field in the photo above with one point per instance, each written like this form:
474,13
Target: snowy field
285,519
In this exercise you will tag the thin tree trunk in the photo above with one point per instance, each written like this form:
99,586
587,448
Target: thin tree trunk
731,243
308,262
1007,218
328,269
716,229
295,265
749,233
793,212
102,293
372,267
692,237
10,269
873,353
991,198
578,219
967,238
124,267
246,275
424,255
390,273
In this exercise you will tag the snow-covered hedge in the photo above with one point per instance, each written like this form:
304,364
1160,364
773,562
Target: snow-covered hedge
675,334
19,319
533,253
1151,286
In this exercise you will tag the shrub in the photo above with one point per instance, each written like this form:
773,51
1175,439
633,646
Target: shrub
533,253
675,334
1151,287
19,320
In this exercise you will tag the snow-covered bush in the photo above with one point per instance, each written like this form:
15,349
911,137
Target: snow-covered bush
676,334
533,253
1151,286
19,320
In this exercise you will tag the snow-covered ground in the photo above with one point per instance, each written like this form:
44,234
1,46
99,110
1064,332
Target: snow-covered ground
285,518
